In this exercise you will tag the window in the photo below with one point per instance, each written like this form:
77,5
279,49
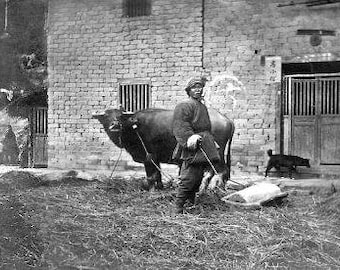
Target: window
136,8
134,97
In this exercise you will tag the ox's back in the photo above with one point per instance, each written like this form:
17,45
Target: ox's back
155,128
155,125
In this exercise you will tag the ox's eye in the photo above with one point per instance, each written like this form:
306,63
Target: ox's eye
115,126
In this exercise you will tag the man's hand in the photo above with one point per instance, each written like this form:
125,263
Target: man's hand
193,141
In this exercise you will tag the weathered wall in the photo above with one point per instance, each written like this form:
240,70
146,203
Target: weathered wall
91,48
237,34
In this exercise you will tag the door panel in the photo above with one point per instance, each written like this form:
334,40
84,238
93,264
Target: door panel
304,121
40,151
304,137
330,140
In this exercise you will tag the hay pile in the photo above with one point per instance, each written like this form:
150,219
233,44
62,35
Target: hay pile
115,225
13,181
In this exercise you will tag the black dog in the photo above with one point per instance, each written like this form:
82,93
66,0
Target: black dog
290,162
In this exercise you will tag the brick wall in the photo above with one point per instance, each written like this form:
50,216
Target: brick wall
91,48
237,34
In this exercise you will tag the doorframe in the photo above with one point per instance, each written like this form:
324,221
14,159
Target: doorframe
287,114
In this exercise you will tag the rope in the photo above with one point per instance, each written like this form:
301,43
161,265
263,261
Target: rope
116,163
213,167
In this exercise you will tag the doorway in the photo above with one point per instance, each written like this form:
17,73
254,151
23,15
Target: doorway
311,117
38,157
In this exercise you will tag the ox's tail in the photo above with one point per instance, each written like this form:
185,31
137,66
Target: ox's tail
228,156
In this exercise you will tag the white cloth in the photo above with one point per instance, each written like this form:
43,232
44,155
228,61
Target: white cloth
193,141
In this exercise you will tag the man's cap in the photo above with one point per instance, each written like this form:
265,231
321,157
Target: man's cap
195,80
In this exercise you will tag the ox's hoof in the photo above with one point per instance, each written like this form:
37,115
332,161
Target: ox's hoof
145,185
159,186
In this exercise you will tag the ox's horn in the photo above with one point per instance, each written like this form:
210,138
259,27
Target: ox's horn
128,113
97,115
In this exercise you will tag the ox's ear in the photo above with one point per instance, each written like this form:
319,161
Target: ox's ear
127,115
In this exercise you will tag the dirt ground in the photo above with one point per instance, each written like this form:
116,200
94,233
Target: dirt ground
73,223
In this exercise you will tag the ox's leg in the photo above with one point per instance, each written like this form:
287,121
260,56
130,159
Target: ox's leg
153,176
158,178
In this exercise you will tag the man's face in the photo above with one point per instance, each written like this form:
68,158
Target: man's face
196,91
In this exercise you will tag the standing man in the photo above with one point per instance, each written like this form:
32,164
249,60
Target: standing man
192,130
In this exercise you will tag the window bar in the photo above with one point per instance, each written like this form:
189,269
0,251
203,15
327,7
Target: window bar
285,96
314,87
133,91
327,103
42,121
39,121
299,98
325,96
140,99
304,99
141,96
136,98
332,96
120,93
46,121
302,91
41,126
293,91
307,108
323,99
137,94
296,99
336,89
132,87
125,104
289,95
129,87
147,97
35,119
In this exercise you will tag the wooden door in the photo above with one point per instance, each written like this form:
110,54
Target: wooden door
329,121
312,117
38,119
304,118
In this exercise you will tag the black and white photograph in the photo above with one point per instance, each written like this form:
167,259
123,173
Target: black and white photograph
169,134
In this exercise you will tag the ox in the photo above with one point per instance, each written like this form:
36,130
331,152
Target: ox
153,128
